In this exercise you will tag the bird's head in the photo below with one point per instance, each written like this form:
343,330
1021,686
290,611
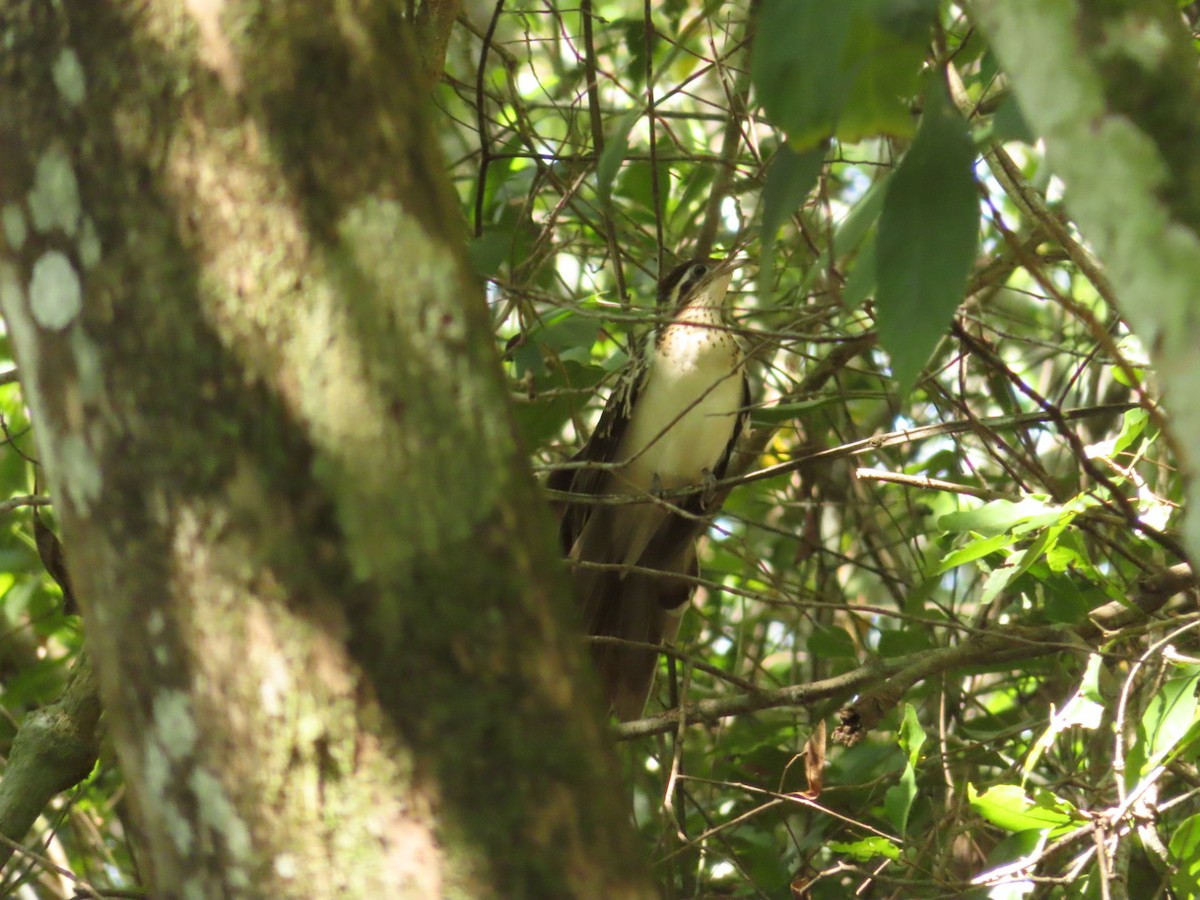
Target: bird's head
697,283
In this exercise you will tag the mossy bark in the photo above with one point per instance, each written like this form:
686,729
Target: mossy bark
318,586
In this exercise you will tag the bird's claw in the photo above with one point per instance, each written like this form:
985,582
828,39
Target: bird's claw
708,490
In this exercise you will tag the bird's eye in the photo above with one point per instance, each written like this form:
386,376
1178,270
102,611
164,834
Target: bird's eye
699,270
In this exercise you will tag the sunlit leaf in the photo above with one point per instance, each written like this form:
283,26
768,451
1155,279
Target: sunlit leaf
867,848
1008,806
996,516
1170,718
976,549
1081,710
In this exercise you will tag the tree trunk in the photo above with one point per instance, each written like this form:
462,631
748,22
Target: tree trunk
318,587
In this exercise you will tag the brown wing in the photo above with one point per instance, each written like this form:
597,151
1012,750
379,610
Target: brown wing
601,447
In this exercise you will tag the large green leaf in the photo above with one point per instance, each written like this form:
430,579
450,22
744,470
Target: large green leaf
928,236
847,69
797,65
1171,718
791,176
998,516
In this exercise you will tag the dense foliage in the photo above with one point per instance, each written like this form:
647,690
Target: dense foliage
940,648
962,454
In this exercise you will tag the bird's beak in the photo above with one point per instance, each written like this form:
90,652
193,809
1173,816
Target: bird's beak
724,274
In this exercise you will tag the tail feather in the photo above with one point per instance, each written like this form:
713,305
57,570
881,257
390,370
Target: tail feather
640,607
627,672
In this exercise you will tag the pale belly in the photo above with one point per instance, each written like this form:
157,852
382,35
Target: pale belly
698,410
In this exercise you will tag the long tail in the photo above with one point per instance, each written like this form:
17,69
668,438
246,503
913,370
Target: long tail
628,609
630,606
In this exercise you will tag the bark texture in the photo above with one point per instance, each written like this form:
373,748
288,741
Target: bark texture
318,588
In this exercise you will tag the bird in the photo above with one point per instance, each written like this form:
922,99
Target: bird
666,434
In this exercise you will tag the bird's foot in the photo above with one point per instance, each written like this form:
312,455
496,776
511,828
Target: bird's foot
708,489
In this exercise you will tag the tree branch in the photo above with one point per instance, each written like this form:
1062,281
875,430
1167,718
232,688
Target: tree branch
55,748
883,683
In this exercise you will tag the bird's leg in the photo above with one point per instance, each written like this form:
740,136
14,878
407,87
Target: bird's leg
708,490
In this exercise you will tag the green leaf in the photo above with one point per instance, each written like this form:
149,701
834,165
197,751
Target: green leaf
907,19
487,252
846,69
829,642
997,582
1082,710
615,149
1007,806
786,412
893,643
566,331
758,852
897,801
1008,122
912,735
885,67
1133,423
1185,851
697,184
860,283
634,31
797,65
1172,718
556,393
976,549
1064,601
789,180
851,231
928,236
867,848
995,517
1120,377
637,182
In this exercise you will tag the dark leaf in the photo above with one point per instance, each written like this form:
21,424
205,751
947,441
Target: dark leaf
790,179
928,236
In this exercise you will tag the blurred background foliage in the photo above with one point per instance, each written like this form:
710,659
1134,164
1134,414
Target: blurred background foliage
957,456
